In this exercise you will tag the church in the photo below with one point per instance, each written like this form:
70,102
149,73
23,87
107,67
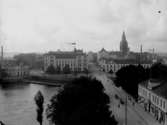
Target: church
117,59
124,53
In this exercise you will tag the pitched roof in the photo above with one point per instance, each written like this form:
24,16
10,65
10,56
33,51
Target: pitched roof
65,54
160,90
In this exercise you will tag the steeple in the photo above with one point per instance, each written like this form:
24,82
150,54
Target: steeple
123,36
124,45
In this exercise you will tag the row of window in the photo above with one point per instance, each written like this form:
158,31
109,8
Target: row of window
158,101
116,67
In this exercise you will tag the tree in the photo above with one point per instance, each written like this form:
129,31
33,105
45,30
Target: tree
3,73
129,77
81,102
51,69
66,69
158,71
111,71
58,69
39,100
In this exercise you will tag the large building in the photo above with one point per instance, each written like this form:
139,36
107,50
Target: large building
125,53
114,60
14,70
152,94
114,65
76,60
18,72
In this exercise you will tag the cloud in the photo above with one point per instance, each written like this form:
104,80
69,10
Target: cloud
50,23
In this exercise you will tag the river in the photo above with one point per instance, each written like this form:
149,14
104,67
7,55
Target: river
17,106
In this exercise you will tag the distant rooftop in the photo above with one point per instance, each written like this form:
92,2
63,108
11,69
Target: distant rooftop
66,54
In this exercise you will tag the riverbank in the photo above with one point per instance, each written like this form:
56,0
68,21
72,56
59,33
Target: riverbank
45,79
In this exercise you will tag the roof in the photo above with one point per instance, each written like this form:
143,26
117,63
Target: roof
103,50
160,90
65,54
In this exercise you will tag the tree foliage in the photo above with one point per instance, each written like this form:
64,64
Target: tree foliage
129,77
51,69
58,70
39,100
111,71
158,71
66,69
81,102
3,73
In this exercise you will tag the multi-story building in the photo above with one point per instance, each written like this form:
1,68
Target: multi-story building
17,72
76,60
153,94
14,70
115,65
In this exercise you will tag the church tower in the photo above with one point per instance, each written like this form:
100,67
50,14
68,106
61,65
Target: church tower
124,49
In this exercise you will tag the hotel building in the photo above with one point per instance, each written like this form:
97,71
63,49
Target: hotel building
76,60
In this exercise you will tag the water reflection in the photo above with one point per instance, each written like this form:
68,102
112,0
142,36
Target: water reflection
17,102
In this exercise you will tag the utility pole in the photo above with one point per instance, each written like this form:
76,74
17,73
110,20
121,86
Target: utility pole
126,110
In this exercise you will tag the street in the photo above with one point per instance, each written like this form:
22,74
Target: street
135,113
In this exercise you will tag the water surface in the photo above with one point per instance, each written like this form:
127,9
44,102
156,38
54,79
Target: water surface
17,106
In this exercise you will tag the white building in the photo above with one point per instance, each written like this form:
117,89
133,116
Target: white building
17,72
76,60
153,94
107,65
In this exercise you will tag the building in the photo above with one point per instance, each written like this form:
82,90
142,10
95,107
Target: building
124,49
154,97
92,57
125,53
14,70
116,64
17,72
76,60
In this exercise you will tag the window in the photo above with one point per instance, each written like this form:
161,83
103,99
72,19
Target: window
164,104
149,95
161,103
157,101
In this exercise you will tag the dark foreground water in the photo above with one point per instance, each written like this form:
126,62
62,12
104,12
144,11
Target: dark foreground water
17,106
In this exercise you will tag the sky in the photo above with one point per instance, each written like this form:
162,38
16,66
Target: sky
44,25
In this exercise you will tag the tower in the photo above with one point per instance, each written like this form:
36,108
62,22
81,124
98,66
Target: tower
124,49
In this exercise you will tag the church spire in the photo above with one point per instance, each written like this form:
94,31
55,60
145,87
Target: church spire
124,45
123,36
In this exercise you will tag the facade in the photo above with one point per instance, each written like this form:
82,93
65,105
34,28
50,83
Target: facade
92,57
125,53
103,54
76,60
13,70
115,65
154,97
17,72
